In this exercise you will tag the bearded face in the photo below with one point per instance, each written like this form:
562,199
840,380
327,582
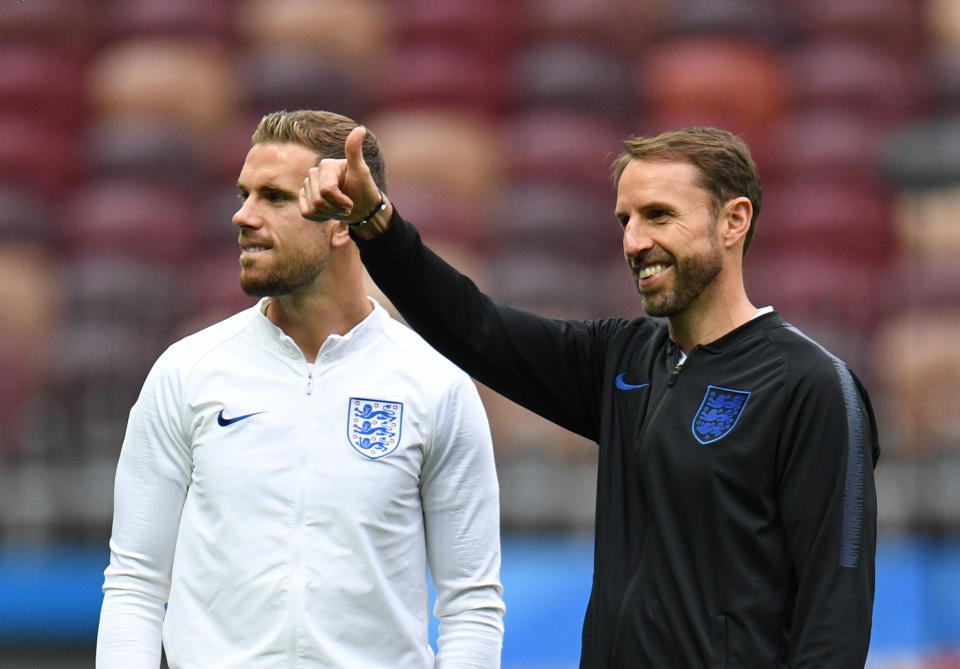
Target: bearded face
671,237
298,268
280,251
692,274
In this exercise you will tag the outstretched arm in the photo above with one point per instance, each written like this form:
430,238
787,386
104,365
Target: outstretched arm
552,367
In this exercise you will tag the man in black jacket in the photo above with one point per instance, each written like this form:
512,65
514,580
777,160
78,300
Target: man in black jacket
736,508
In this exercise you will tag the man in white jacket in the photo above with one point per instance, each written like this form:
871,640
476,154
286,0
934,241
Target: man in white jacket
289,473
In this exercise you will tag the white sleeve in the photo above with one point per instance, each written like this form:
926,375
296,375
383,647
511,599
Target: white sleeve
151,484
461,508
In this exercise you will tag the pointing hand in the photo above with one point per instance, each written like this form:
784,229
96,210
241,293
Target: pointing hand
341,188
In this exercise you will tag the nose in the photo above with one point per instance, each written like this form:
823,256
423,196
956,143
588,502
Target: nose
636,238
245,216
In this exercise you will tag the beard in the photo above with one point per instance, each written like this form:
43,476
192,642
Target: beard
692,275
285,279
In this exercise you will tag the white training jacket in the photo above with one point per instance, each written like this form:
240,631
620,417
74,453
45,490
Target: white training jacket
286,512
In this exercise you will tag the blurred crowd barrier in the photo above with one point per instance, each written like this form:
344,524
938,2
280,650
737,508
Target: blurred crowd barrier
123,125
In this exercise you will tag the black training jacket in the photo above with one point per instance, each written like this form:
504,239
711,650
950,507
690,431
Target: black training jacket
736,508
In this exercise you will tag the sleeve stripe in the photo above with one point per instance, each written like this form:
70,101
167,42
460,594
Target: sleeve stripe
853,482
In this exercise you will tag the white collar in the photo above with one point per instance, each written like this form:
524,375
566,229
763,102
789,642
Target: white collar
366,331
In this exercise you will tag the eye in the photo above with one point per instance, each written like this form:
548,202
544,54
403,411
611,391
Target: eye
276,196
623,220
242,195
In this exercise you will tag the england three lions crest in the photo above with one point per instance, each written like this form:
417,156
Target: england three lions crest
373,426
718,413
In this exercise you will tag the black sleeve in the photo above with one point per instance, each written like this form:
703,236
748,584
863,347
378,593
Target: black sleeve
829,507
552,367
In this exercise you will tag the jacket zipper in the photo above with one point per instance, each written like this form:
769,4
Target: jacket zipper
632,585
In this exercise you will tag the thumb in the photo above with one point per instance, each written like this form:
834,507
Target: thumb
353,149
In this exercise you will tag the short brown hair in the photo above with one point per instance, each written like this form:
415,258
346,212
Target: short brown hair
726,167
322,132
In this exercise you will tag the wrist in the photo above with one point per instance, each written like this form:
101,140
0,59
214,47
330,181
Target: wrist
379,207
376,222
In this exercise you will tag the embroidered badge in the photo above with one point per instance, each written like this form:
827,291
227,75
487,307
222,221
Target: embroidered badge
718,413
373,426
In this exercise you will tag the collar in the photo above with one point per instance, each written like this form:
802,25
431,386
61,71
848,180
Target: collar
765,319
362,334
763,311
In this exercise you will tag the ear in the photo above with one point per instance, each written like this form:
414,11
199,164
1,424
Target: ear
340,234
735,221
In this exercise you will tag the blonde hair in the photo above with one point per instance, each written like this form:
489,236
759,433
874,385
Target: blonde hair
322,132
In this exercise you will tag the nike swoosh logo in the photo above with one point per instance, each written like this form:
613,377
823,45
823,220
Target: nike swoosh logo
623,385
223,422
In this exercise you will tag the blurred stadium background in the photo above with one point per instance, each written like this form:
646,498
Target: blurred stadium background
123,124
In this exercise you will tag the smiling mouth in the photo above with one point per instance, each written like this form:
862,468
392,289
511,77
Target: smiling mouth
648,271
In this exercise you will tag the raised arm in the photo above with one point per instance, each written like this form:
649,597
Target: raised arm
552,367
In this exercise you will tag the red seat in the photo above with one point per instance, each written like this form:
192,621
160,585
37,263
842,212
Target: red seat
695,76
895,25
140,219
867,80
848,220
566,73
142,18
830,142
621,25
142,147
41,83
488,28
284,78
571,146
69,25
558,217
36,155
445,76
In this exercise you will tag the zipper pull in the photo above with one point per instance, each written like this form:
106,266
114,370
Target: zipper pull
309,383
673,374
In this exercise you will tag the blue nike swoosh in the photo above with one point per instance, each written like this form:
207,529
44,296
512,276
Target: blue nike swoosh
623,385
230,421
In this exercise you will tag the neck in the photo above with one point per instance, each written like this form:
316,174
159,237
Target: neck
717,311
309,316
